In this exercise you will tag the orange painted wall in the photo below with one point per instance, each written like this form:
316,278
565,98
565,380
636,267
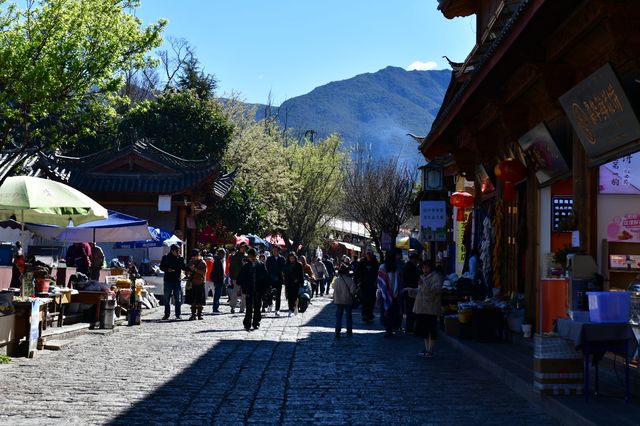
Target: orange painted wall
561,239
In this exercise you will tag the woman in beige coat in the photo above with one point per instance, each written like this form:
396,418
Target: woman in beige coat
344,290
427,306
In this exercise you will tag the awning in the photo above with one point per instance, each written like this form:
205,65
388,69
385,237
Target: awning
350,246
159,238
116,227
255,240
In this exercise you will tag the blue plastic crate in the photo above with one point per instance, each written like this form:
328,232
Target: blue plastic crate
609,306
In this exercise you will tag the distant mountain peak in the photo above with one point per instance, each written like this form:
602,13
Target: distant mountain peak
373,112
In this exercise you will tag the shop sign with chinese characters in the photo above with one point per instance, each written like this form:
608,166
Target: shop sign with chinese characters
542,154
601,113
433,220
621,176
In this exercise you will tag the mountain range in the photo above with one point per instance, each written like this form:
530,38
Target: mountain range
373,112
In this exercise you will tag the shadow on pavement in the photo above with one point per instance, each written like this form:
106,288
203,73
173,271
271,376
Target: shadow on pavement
303,375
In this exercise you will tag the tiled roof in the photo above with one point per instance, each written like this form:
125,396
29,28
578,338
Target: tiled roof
479,56
84,173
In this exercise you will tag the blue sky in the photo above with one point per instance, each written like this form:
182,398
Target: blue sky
289,47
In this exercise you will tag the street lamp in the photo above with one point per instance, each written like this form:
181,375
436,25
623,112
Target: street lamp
432,177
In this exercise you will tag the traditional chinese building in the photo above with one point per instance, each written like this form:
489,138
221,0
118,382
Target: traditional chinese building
554,86
142,180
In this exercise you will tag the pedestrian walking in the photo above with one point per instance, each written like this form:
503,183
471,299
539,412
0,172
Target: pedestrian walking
411,278
428,302
308,273
209,287
234,271
343,294
275,267
172,264
195,291
217,278
366,277
331,271
293,280
253,279
320,272
388,293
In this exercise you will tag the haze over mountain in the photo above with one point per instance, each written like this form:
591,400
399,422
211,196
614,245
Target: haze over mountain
373,112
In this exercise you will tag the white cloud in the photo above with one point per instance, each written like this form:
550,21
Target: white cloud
422,66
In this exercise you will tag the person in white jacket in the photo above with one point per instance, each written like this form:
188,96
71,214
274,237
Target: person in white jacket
344,290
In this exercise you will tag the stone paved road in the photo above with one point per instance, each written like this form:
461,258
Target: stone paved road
290,371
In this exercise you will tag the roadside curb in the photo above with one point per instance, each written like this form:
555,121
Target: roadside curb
550,405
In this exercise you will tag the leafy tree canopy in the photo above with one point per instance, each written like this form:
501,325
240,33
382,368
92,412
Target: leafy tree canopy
62,64
182,123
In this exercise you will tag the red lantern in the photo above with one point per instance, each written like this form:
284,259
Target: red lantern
461,200
510,172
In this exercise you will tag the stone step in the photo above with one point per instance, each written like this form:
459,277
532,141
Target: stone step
57,345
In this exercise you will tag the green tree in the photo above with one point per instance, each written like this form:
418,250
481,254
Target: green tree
316,170
182,123
62,66
193,78
257,154
240,211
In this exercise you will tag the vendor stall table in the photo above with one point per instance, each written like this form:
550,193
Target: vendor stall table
58,306
596,339
91,298
23,324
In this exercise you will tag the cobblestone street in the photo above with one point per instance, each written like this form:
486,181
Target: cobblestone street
289,371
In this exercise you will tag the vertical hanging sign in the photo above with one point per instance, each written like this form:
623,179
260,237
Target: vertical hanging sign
433,220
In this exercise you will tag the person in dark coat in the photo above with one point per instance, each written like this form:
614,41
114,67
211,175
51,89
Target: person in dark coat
293,280
237,260
253,279
217,277
196,277
411,278
331,270
275,266
172,265
366,277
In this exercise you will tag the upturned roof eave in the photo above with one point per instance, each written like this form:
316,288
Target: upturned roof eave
530,8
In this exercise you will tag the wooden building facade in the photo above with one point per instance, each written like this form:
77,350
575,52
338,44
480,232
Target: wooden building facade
554,70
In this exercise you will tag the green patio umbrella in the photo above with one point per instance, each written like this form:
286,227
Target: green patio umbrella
44,201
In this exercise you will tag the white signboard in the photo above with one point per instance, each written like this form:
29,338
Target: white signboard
433,220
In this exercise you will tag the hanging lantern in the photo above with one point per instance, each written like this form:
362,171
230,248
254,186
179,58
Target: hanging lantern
461,200
509,172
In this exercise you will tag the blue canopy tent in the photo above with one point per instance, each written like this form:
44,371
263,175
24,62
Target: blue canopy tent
159,237
254,240
116,227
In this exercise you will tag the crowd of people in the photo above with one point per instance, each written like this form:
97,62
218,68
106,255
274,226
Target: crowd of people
407,293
